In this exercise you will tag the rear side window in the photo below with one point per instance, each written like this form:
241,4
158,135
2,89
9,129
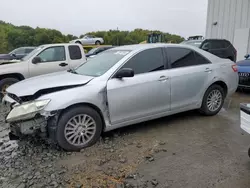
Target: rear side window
146,61
214,44
182,57
217,44
75,52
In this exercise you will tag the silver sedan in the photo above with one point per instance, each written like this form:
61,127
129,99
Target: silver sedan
119,87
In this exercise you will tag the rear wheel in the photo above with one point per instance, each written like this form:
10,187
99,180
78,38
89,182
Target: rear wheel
5,83
78,128
98,42
213,100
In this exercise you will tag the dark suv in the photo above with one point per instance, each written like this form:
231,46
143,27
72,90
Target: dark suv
220,47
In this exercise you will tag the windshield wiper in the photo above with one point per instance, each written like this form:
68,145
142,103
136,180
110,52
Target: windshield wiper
72,71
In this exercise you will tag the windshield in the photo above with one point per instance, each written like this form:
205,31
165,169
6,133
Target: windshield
32,53
101,63
92,50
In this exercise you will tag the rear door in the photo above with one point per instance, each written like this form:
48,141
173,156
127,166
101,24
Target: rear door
53,60
145,94
189,74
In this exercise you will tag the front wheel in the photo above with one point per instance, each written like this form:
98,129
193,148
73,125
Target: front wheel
78,128
5,83
213,100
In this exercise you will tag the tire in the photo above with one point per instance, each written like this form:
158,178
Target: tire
78,42
249,152
4,83
205,107
63,125
97,42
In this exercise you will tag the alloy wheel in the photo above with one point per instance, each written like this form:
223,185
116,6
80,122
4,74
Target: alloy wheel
80,130
214,100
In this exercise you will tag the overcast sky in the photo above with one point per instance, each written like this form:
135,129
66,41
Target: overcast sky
183,17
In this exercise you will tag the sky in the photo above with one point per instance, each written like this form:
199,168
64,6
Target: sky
182,17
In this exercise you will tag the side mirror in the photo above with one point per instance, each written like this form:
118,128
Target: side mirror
36,60
13,55
125,72
247,56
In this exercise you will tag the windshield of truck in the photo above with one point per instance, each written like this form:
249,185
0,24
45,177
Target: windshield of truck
101,63
32,53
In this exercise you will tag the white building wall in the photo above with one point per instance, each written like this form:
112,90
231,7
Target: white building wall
230,16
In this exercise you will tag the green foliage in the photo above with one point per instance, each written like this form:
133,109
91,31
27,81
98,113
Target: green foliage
12,37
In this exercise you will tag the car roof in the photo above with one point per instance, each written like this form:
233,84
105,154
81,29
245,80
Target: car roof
139,47
148,46
60,44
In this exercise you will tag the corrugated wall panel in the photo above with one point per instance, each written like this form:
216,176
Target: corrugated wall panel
244,13
227,25
209,18
248,16
233,6
220,20
216,6
239,7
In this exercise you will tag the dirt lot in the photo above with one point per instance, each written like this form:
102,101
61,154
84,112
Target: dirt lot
185,150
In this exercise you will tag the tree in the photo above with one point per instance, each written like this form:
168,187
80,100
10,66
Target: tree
16,36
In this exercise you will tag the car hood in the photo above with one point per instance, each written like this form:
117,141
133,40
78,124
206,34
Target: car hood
49,82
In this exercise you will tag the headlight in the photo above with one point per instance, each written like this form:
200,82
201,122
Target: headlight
27,110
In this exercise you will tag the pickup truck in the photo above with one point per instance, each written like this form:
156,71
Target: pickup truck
44,59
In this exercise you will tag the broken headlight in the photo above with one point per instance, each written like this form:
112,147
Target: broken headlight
26,110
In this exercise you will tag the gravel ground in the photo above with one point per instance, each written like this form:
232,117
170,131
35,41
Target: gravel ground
185,150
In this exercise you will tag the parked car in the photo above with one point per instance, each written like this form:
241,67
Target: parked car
44,59
88,39
18,53
93,52
119,87
244,73
219,47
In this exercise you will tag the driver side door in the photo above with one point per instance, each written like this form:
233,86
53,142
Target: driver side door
53,60
144,95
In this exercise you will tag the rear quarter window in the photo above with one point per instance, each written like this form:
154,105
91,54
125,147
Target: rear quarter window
75,52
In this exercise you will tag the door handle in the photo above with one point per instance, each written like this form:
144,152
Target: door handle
63,64
163,78
208,70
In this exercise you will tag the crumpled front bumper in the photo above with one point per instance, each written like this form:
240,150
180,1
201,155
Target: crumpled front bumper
31,125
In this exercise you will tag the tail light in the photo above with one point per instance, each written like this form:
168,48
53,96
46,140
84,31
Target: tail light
235,68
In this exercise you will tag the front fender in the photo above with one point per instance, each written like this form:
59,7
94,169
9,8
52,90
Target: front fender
91,94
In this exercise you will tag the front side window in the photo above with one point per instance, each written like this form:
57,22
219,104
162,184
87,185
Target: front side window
75,52
51,54
100,64
146,61
182,57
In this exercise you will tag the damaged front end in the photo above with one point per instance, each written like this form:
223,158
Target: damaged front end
27,118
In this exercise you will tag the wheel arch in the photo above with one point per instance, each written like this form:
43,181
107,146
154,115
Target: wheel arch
222,84
12,75
96,108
